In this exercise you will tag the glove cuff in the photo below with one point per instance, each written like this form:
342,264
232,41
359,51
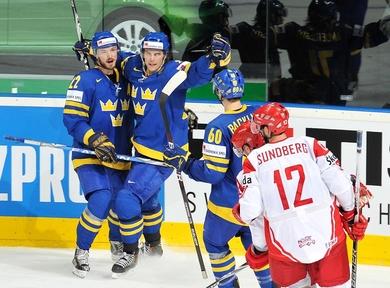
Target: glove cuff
188,163
97,139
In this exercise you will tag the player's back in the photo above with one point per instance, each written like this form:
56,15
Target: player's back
224,193
297,204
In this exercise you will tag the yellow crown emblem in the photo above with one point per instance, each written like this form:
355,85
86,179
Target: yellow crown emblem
108,106
138,109
116,121
134,91
125,104
147,94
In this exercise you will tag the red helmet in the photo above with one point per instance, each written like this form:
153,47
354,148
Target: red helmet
243,136
274,115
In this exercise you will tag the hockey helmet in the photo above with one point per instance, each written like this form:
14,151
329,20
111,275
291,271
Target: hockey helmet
320,11
228,84
103,39
156,40
243,136
209,9
273,115
276,9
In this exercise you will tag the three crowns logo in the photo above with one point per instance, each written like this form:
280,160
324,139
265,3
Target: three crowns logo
138,109
108,106
134,91
148,95
125,104
116,121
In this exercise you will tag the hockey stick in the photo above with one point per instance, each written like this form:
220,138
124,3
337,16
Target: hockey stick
78,31
359,136
172,84
228,275
84,151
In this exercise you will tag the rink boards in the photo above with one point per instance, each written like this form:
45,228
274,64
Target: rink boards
40,197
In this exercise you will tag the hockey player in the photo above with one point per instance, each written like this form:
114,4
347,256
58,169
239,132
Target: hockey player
219,167
136,205
98,115
293,184
251,41
318,53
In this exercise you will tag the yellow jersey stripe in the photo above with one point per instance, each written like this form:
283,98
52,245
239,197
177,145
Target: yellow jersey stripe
223,212
111,220
216,168
76,104
129,226
225,268
222,260
91,220
151,153
216,159
112,214
132,232
89,228
76,112
158,221
87,135
94,161
151,216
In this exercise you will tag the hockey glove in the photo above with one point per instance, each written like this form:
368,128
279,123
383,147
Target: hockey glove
104,149
365,194
82,49
176,157
220,50
256,259
356,230
192,118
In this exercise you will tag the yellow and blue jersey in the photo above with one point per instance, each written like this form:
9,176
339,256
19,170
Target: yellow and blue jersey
149,132
95,104
220,165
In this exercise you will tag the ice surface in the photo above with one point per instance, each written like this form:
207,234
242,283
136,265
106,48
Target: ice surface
51,268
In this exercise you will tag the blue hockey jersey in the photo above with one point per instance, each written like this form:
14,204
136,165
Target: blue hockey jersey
95,104
149,132
220,165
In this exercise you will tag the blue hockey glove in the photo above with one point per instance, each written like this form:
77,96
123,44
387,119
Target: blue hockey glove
220,50
104,149
176,157
82,48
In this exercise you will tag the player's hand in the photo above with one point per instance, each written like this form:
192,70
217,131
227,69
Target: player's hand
356,230
365,194
220,50
192,118
176,157
256,259
82,49
104,149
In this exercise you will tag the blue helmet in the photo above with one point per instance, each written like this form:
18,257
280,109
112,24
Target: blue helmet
229,84
104,39
155,40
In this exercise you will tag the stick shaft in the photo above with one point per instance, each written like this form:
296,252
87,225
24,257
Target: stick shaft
80,36
228,275
359,141
171,85
80,150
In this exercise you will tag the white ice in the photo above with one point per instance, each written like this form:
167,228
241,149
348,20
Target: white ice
51,268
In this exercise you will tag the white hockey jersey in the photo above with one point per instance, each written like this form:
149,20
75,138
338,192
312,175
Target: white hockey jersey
294,185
